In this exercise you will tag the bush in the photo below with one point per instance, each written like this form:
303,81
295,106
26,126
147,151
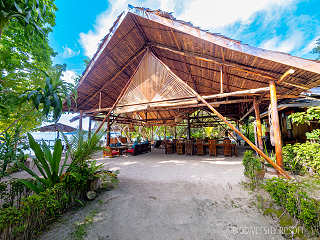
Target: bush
38,210
252,165
34,214
11,193
11,151
301,157
291,196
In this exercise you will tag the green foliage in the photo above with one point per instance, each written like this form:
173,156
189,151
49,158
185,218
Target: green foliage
30,14
301,157
11,150
312,114
48,164
252,165
81,227
11,193
314,135
51,96
294,199
24,54
80,149
35,213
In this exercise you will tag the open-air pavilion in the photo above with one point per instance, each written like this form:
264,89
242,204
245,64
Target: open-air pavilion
152,69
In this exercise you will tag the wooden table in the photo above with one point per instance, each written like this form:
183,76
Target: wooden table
120,149
233,148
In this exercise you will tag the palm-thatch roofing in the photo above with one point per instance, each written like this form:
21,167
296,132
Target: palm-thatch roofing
57,127
196,56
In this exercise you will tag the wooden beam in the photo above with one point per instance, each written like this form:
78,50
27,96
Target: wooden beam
214,70
238,93
130,60
258,123
287,73
120,96
252,108
213,60
237,66
294,85
275,123
223,95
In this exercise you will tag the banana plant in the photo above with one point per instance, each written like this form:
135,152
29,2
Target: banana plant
49,164
50,97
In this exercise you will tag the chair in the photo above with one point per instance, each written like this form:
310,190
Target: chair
212,147
168,147
174,145
157,144
200,147
227,148
180,147
189,147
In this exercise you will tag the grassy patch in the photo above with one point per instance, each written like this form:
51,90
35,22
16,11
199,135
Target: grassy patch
81,227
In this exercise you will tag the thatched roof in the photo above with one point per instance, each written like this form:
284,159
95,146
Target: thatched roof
57,127
195,56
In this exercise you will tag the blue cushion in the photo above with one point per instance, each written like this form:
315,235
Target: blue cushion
112,145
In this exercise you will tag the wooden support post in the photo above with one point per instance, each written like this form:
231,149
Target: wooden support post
108,131
175,132
165,132
152,134
89,132
258,123
100,101
221,80
275,123
189,130
80,120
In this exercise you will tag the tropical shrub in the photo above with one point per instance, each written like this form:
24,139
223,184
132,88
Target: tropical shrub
32,215
11,192
252,165
48,164
11,150
54,170
292,197
302,157
80,149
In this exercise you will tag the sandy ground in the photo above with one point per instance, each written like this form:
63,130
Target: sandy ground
171,197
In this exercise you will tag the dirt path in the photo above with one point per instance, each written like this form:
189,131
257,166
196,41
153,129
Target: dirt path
171,197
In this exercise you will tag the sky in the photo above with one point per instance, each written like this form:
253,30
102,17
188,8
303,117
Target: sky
290,26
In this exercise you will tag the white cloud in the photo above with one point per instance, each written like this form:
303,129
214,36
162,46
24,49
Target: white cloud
68,52
69,76
207,14
287,45
210,14
310,46
90,41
